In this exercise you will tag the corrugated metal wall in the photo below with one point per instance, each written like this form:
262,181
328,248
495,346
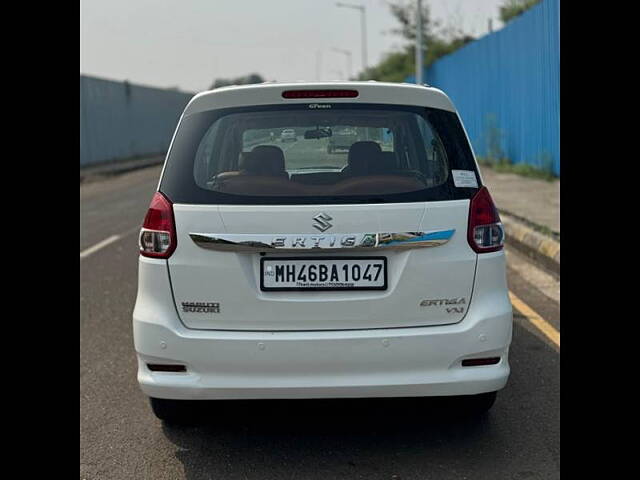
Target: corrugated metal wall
119,120
512,76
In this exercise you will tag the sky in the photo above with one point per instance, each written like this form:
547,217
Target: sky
186,44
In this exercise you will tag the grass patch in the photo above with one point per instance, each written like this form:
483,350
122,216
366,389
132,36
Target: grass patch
524,170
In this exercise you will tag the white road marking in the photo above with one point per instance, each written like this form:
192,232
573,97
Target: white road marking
107,241
286,147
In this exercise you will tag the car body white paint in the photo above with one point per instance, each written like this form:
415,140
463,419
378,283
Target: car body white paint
336,344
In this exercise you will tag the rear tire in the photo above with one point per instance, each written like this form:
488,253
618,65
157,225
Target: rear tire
173,412
477,405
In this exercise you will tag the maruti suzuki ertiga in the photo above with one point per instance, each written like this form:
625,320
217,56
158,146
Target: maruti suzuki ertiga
281,270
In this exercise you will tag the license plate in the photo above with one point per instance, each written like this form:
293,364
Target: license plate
323,273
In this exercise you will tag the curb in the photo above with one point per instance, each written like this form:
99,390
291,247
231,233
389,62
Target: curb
536,245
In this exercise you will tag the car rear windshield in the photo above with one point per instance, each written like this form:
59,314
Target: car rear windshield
317,153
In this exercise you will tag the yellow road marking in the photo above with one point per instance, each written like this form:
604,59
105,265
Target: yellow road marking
539,322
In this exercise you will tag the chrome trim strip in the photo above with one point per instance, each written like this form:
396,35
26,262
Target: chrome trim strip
326,243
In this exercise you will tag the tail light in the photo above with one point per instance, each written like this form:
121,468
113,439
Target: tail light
158,234
485,233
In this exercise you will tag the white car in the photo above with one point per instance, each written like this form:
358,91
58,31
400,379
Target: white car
266,274
288,135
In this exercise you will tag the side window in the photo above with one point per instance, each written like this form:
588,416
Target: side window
436,158
205,166
386,141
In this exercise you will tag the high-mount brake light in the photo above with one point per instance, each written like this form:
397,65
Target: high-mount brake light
158,234
485,232
320,94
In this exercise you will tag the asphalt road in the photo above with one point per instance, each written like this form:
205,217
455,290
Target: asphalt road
373,439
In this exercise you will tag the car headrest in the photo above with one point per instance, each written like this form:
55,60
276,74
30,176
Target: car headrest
264,160
364,158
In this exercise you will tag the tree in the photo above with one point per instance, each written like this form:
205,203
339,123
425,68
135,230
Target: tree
394,67
438,41
510,9
245,80
404,13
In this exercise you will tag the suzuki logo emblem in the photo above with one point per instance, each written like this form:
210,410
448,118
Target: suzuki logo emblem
322,222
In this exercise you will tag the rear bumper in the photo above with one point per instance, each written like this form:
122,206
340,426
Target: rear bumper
372,363
395,362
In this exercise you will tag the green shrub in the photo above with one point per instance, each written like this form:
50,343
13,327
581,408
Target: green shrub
493,141
511,9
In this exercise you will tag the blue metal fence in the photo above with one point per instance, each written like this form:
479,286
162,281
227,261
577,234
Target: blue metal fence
119,120
509,82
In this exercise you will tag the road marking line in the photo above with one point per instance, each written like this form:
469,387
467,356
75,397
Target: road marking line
537,321
108,241
99,245
289,146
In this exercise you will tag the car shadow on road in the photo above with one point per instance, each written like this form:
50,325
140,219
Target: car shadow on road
323,438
